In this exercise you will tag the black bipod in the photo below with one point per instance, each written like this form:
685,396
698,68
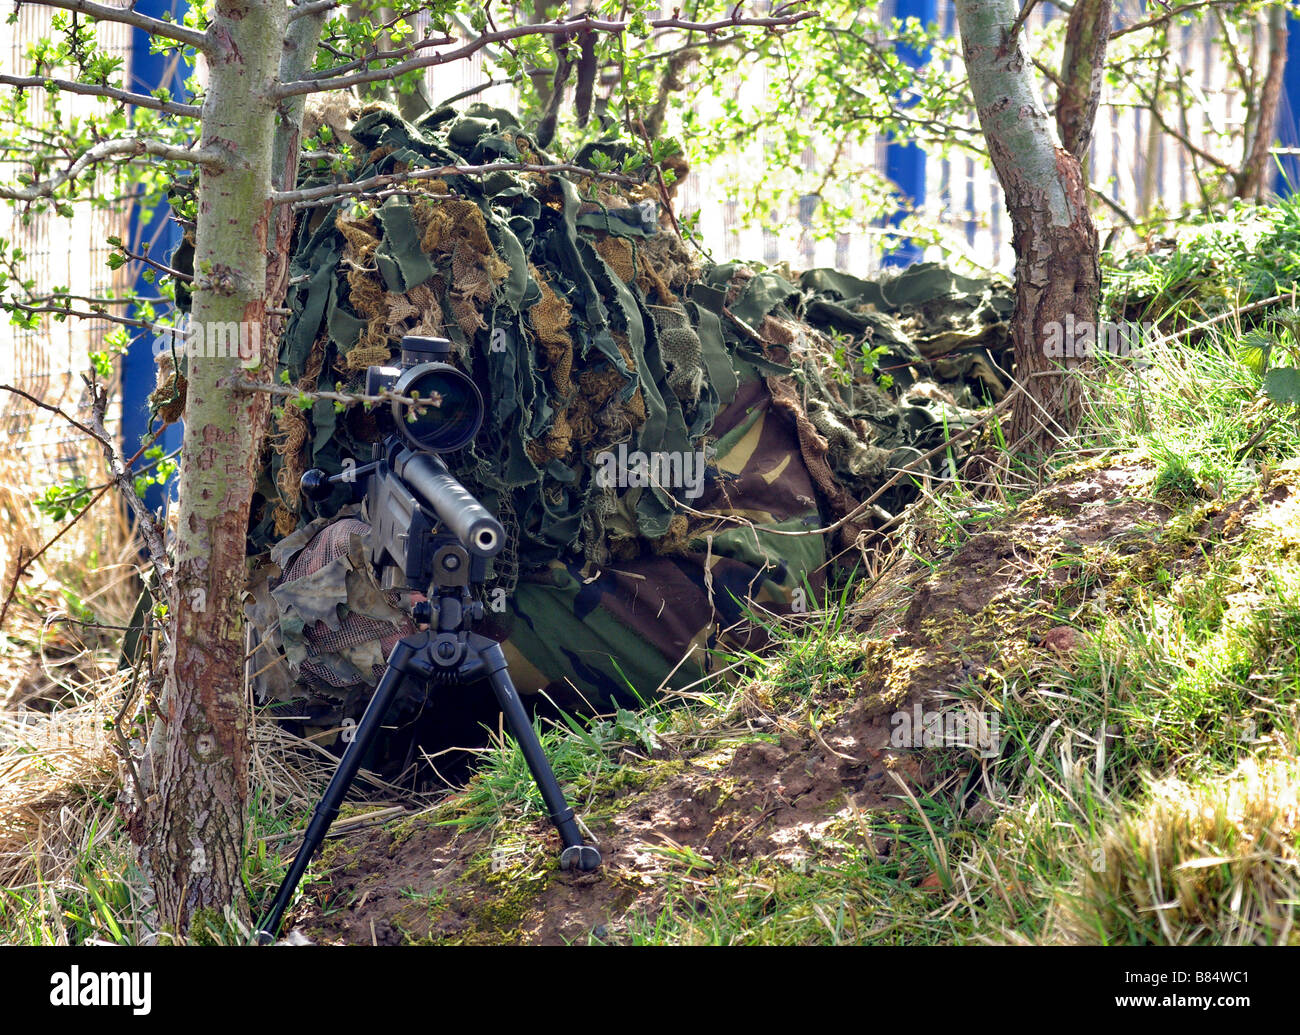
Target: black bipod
452,656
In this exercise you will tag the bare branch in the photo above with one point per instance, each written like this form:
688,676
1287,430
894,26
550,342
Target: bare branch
375,196
1173,12
381,55
346,398
153,26
140,100
1049,74
666,55
1113,205
338,191
59,310
61,296
125,147
1020,20
1222,317
317,6
1149,105
781,18
160,267
123,477
473,90
26,562
55,410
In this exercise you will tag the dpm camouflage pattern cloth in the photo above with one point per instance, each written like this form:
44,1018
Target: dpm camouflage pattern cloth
583,319
589,639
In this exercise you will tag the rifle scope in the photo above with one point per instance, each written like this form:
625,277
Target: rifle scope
454,411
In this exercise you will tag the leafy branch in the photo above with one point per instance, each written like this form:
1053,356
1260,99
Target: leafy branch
782,17
123,147
140,100
127,16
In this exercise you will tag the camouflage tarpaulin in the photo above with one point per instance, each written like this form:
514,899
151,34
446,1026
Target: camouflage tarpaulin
596,340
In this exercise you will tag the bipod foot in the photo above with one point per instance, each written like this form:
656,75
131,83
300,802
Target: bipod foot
583,858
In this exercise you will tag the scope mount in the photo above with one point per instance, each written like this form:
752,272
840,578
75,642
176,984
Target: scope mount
417,348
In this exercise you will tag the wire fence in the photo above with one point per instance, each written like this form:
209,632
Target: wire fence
1137,165
1134,163
49,359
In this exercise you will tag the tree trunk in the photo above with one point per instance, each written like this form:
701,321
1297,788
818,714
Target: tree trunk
301,42
1058,278
1084,60
198,820
1256,170
409,105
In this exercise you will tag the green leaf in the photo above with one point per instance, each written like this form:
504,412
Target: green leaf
60,501
1282,386
103,364
1254,349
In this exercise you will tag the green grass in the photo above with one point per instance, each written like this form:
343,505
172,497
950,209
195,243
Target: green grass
1188,674
1145,789
97,899
1210,265
1124,772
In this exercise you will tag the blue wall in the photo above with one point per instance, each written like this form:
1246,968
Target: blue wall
1288,181
153,231
905,162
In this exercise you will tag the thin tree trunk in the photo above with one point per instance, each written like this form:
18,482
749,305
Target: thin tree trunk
1254,177
1057,272
1082,66
199,808
300,45
1155,141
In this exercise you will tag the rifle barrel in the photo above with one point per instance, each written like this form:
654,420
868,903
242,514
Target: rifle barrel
467,519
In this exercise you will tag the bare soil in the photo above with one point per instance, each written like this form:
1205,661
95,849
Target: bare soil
1020,593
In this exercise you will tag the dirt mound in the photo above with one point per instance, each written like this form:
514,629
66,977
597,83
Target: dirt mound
827,733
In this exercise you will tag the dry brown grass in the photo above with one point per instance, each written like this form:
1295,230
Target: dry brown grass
59,683
1216,863
92,564
55,770
63,851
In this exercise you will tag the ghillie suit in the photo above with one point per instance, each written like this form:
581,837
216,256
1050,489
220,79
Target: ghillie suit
594,339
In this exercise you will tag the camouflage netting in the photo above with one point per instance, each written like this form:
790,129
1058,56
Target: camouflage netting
590,328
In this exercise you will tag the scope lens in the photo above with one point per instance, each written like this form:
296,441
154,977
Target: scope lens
450,419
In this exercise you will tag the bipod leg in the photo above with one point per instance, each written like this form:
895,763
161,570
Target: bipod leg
327,809
576,854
